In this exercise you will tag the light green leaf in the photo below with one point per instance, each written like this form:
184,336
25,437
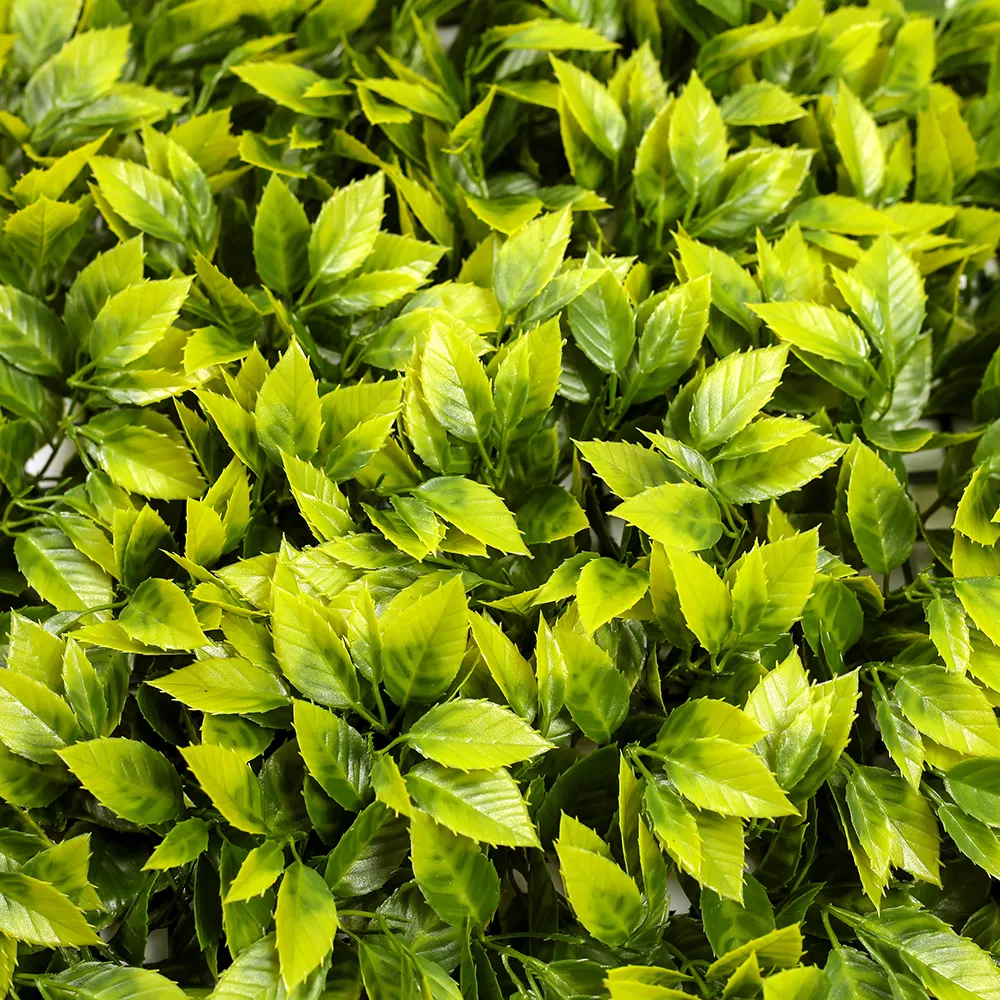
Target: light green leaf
678,515
143,452
950,709
310,651
160,614
233,788
975,787
474,509
697,138
225,686
724,777
593,107
36,912
474,735
670,338
455,385
881,514
142,198
281,239
607,589
705,599
34,721
948,627
59,573
455,877
948,965
603,324
980,596
529,259
761,103
733,392
859,144
596,692
335,754
128,777
423,644
343,234
628,469
817,329
510,670
482,805
605,900
287,411
259,871
182,844
305,921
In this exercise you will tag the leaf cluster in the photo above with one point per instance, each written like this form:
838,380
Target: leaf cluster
499,501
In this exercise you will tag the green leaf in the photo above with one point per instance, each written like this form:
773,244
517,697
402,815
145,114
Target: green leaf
144,453
159,614
529,259
670,338
36,912
974,839
36,722
975,786
134,320
881,514
334,753
482,805
474,509
142,198
603,325
733,392
59,573
592,106
761,103
31,335
605,900
678,515
455,877
773,473
225,685
950,709
260,870
606,589
726,778
697,138
305,921
84,69
343,234
182,844
705,600
455,385
596,693
311,652
233,788
128,777
816,329
287,411
628,469
947,964
423,644
979,597
474,735
508,668
886,292
859,144
320,502
280,239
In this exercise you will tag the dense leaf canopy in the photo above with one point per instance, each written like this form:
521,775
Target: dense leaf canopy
499,500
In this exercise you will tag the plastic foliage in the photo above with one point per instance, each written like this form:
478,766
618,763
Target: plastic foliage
499,500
